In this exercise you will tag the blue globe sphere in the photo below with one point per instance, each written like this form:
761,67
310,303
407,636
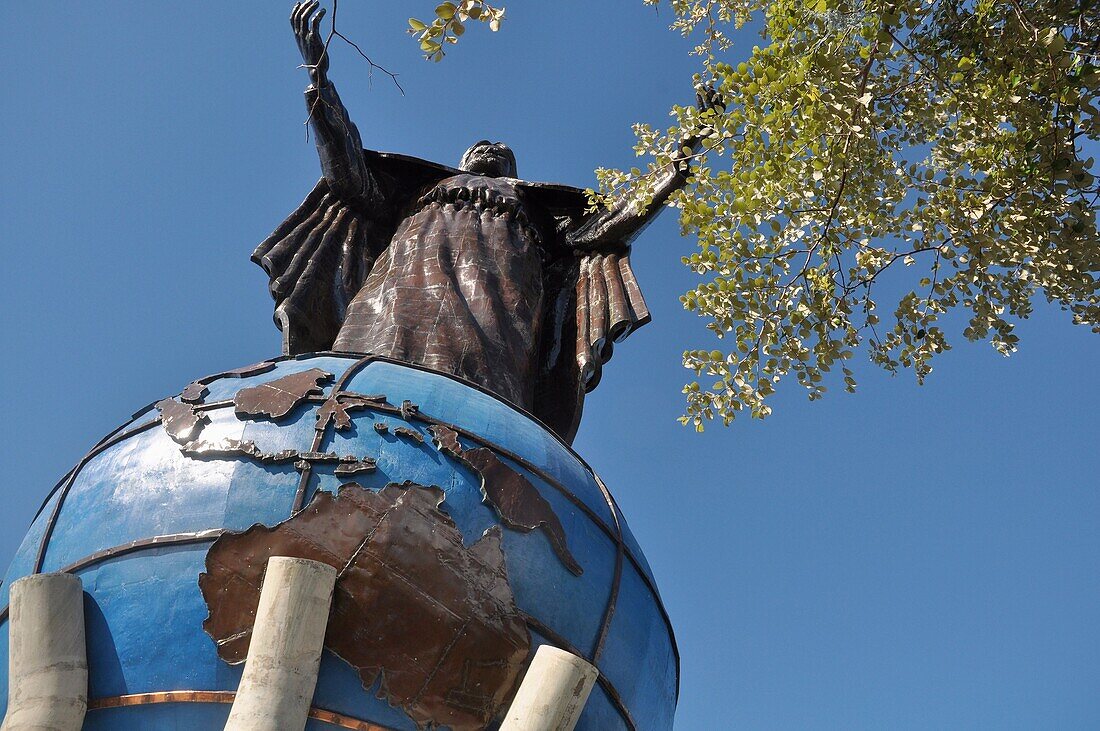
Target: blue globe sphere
137,516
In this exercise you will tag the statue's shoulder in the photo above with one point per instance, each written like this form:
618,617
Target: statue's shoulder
410,176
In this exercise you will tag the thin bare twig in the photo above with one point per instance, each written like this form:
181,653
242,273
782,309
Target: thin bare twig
353,44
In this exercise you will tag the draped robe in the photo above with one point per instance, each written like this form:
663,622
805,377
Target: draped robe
460,273
459,289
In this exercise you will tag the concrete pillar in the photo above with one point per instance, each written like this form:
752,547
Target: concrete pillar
47,655
284,653
552,694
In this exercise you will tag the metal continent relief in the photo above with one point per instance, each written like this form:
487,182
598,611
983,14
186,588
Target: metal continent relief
435,620
511,495
434,623
277,398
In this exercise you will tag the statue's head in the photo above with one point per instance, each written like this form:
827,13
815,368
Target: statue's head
493,159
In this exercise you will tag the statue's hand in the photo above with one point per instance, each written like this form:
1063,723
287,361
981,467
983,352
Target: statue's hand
305,19
707,98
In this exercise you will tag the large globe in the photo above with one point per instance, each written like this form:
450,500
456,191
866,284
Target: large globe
136,518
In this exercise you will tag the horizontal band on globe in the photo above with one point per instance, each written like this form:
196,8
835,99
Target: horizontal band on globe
222,696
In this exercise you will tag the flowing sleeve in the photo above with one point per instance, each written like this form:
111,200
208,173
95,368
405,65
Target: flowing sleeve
593,302
610,306
319,257
316,261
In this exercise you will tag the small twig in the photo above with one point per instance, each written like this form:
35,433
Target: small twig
835,203
333,32
353,44
870,280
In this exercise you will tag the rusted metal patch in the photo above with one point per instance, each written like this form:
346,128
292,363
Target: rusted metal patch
249,370
275,399
230,448
381,427
336,408
181,421
359,466
445,440
518,502
413,434
409,410
194,392
436,620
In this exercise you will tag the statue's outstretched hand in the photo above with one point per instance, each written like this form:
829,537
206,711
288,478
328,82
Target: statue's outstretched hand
305,19
707,97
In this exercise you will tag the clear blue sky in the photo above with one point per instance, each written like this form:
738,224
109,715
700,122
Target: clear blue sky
905,558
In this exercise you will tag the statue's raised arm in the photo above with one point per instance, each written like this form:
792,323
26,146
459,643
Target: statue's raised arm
318,258
338,142
472,271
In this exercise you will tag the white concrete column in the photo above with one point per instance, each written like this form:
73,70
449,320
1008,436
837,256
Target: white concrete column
284,653
553,692
47,655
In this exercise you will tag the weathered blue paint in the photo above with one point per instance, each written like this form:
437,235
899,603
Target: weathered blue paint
161,716
635,549
145,612
639,631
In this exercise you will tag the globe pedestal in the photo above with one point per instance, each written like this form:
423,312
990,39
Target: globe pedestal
136,518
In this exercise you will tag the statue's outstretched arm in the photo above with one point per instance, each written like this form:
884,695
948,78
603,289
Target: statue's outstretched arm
338,142
621,221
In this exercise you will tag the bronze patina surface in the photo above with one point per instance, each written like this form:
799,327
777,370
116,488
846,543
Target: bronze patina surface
510,494
517,502
275,399
249,370
518,287
514,285
413,434
194,393
451,439
357,467
445,439
180,420
230,448
221,696
435,619
337,406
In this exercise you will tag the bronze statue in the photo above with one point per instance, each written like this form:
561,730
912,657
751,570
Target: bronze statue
469,271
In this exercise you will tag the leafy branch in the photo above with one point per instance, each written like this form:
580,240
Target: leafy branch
450,23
